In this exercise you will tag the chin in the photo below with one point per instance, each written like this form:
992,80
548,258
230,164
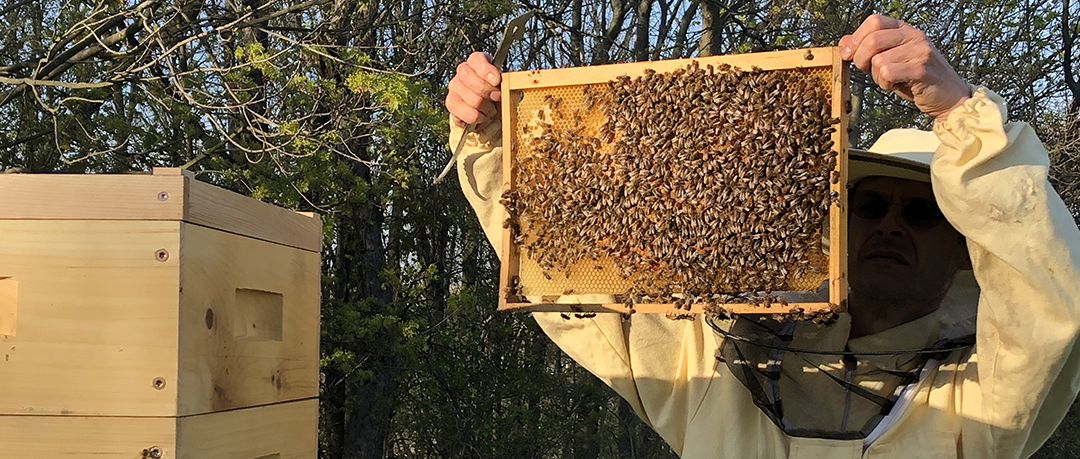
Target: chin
886,293
898,284
885,271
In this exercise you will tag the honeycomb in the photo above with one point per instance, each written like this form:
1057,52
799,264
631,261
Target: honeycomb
530,108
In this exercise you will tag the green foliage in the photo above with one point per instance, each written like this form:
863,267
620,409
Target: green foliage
391,91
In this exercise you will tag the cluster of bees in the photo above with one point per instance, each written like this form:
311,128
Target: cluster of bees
699,181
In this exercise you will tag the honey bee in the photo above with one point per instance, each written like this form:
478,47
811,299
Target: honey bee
694,176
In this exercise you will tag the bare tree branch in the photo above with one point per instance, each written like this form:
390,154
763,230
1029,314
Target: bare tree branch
1072,80
681,37
63,84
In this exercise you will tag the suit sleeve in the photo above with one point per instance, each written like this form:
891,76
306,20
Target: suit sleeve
990,178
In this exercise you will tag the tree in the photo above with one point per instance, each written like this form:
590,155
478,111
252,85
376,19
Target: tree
333,106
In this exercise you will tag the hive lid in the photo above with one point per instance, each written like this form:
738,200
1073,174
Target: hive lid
166,194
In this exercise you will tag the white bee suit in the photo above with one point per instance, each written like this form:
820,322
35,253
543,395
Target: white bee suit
1002,398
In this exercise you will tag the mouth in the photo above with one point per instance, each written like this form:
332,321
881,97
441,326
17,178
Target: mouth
887,256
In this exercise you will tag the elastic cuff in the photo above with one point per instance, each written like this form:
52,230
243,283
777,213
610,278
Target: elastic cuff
984,111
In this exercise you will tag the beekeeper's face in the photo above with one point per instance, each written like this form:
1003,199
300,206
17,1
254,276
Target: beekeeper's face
900,246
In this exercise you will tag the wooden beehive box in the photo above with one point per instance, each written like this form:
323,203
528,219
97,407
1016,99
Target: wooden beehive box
155,316
554,118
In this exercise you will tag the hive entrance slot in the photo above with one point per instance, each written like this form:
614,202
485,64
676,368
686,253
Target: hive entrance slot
9,289
258,315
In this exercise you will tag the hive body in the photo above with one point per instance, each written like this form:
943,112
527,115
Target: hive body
676,186
154,315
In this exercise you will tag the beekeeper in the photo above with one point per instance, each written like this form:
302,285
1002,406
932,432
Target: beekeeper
963,311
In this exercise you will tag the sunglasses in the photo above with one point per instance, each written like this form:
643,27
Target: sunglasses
917,212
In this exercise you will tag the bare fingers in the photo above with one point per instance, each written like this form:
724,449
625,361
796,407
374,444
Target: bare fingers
466,108
480,63
901,58
472,91
875,23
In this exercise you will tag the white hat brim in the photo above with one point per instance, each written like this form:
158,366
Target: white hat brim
899,153
908,165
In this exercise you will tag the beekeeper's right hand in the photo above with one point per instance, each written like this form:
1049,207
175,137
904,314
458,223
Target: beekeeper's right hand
473,92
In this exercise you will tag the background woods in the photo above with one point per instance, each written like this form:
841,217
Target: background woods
334,106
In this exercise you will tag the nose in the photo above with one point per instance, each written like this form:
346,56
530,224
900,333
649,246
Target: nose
892,223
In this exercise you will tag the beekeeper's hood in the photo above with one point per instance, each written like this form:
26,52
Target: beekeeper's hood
906,154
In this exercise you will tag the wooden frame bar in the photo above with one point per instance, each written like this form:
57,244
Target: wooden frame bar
812,58
838,238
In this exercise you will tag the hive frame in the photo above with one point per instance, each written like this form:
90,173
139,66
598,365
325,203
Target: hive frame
810,58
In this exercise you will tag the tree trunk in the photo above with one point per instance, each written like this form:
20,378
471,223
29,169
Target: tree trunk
601,55
710,28
684,28
641,34
368,422
577,37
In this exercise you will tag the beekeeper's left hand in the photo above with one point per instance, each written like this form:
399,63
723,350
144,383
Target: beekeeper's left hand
901,59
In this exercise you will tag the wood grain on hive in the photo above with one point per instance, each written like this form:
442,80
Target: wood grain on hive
148,314
553,119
